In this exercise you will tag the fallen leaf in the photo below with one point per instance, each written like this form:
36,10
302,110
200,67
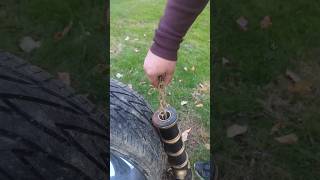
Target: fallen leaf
243,23
193,68
64,77
118,75
127,38
265,22
185,134
236,130
203,88
185,68
27,44
130,86
301,87
207,146
199,105
184,103
225,61
287,139
59,35
276,127
292,76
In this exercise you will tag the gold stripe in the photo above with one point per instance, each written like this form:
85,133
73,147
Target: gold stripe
177,153
172,141
183,164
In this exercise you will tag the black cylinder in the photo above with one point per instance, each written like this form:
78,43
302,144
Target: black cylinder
171,138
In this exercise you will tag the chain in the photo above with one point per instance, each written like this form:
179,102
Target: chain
162,98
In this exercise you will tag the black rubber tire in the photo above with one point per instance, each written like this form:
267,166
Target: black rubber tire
47,132
132,134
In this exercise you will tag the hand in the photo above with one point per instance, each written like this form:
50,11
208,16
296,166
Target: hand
155,66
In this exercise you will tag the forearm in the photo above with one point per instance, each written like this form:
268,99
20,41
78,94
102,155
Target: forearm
174,24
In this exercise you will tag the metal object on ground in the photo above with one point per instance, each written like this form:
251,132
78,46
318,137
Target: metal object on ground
166,122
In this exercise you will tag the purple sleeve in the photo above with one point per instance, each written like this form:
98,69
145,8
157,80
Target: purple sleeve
177,19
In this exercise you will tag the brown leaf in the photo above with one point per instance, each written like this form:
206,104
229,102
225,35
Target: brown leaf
199,105
292,76
301,87
287,139
236,130
277,127
265,22
243,23
204,87
64,77
185,134
59,35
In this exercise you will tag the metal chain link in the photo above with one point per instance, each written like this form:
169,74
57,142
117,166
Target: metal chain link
162,99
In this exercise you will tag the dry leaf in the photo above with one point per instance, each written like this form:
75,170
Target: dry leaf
243,23
193,68
130,86
64,77
185,134
287,139
59,35
265,22
185,68
207,146
184,103
225,61
203,88
301,87
235,130
292,76
276,127
199,105
127,38
27,44
118,75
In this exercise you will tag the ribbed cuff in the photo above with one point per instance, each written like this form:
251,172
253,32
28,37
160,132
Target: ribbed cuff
165,46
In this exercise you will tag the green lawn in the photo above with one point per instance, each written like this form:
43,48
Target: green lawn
81,52
253,90
131,31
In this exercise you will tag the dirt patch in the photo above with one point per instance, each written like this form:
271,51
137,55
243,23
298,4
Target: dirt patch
198,135
287,100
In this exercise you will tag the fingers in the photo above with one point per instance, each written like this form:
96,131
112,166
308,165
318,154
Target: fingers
167,79
154,80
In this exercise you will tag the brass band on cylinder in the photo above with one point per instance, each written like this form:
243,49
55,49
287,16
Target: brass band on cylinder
173,148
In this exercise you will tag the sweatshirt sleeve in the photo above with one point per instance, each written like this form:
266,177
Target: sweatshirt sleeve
177,19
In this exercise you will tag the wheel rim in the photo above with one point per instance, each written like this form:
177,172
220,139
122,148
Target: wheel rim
122,169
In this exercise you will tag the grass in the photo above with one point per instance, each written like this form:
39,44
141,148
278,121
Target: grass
81,52
138,20
254,81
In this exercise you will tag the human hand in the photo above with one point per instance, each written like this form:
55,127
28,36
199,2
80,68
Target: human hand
155,66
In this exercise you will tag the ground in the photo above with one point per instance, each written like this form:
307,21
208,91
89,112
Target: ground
81,52
132,28
254,88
